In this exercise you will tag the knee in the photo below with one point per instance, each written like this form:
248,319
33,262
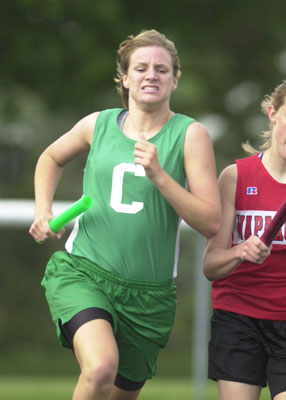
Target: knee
99,376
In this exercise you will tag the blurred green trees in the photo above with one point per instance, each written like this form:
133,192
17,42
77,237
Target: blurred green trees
58,60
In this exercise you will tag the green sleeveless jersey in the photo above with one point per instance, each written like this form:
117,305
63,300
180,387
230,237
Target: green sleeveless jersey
130,229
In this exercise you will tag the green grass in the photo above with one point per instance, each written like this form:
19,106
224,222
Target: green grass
61,388
36,388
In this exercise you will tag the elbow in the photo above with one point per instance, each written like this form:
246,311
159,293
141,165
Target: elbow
212,275
209,277
207,270
210,268
212,228
208,274
213,222
207,230
207,224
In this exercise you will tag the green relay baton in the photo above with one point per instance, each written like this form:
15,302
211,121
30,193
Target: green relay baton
80,206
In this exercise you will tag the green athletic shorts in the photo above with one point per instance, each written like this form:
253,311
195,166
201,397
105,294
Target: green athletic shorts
143,312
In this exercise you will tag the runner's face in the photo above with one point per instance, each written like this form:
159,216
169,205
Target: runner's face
150,77
278,120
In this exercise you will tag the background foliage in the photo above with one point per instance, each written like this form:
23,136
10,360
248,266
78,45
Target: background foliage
58,60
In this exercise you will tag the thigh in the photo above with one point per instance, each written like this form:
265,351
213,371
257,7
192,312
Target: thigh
71,289
137,355
274,337
69,329
276,375
280,396
94,343
91,341
235,350
120,394
145,321
236,390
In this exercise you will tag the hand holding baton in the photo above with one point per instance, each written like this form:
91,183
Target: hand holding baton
274,226
80,206
77,208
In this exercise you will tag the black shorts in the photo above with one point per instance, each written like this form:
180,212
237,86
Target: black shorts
248,350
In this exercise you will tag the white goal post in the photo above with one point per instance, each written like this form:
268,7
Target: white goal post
20,212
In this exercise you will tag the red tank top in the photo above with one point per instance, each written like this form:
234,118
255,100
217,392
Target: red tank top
257,291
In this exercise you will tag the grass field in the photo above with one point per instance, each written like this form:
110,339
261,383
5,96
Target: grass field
61,388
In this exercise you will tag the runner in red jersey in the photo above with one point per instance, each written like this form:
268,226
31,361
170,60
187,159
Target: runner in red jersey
247,348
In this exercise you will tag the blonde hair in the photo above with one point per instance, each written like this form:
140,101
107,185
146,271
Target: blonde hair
143,39
275,99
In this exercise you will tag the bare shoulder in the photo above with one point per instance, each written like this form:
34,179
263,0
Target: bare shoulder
229,174
227,182
91,118
198,143
197,131
86,125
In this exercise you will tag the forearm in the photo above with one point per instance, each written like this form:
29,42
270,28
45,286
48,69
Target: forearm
220,263
47,176
201,215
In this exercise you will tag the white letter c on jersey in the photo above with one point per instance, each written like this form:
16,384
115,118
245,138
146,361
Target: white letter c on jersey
117,187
